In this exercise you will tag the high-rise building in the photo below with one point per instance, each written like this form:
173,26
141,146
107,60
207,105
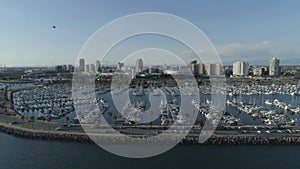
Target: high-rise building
81,65
209,69
201,70
274,69
92,68
213,69
218,69
98,68
258,71
236,70
139,65
192,63
70,68
87,68
240,68
64,68
59,69
195,69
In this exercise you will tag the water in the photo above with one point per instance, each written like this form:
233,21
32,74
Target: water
21,153
14,86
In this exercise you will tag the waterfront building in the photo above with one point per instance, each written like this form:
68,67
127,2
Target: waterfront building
240,68
192,63
213,69
228,71
201,70
120,66
209,68
92,68
59,69
98,68
87,68
139,65
195,69
274,68
175,68
70,68
218,69
81,65
258,71
64,68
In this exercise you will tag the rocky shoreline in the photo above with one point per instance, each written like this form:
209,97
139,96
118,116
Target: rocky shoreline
110,139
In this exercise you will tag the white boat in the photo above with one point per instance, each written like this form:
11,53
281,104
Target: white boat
156,92
103,103
268,102
181,119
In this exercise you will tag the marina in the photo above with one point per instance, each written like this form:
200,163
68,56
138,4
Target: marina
54,103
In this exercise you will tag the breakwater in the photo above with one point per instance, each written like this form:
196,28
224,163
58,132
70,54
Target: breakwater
111,139
43,135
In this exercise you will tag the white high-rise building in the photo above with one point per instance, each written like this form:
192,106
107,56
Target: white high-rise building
218,69
209,69
213,69
139,65
240,68
274,69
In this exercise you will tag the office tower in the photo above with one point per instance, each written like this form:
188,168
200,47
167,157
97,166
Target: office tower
192,63
213,69
274,68
70,68
201,69
87,68
98,68
81,65
139,65
92,68
240,68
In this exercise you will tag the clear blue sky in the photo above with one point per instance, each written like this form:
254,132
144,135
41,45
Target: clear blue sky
253,30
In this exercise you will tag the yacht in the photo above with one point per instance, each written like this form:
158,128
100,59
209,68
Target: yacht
268,102
156,92
103,103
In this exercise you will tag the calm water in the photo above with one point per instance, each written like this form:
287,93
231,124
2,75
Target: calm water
13,86
22,153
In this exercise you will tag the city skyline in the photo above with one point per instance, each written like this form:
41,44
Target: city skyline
240,30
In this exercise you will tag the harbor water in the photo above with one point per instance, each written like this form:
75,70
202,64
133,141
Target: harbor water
21,153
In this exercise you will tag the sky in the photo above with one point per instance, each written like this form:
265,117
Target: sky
253,31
